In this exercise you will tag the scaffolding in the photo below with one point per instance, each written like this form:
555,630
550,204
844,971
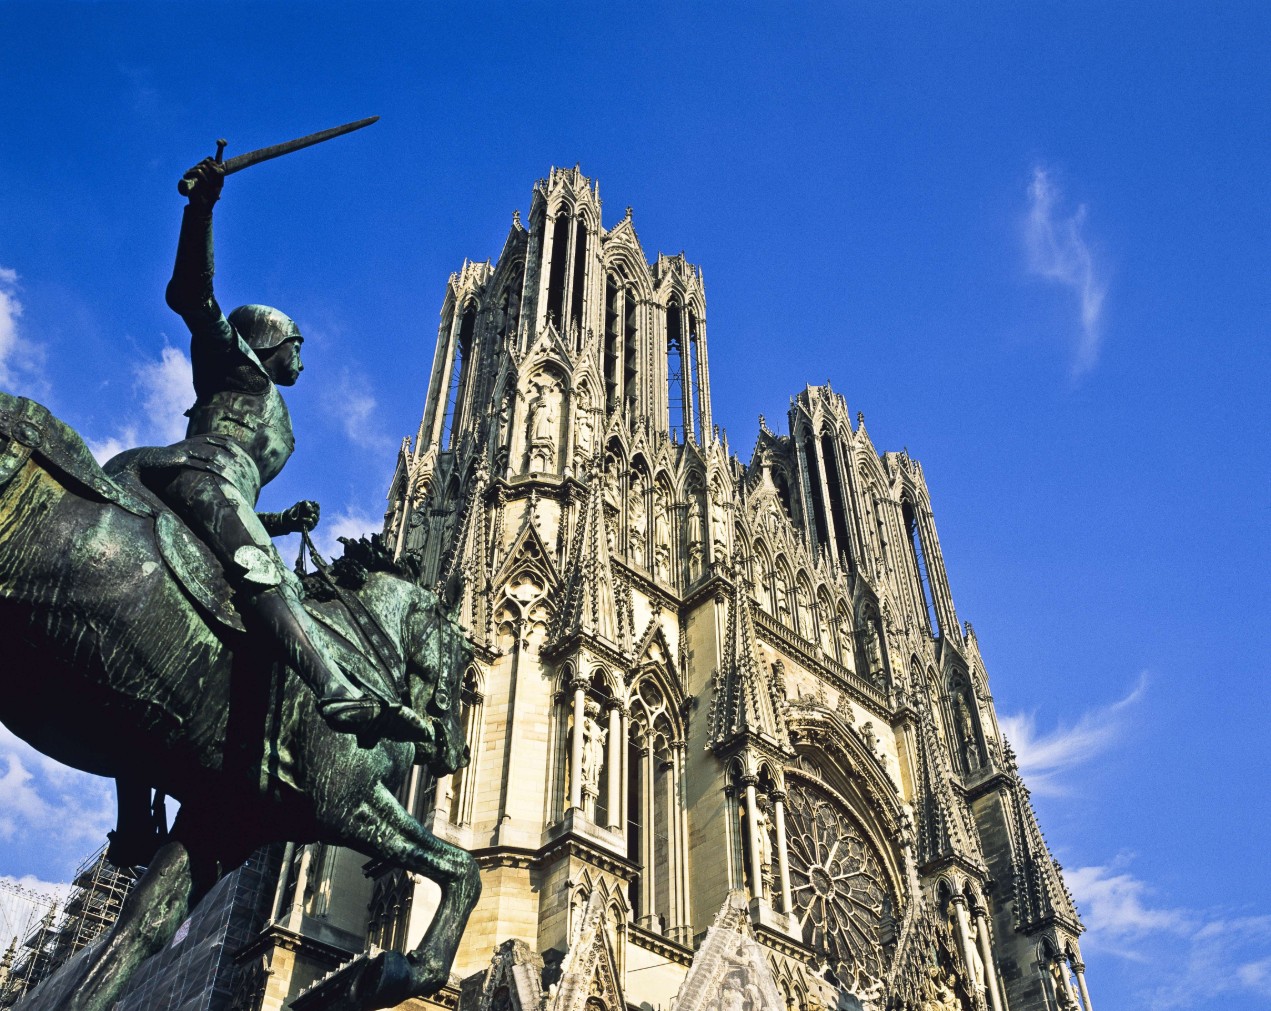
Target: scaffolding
97,894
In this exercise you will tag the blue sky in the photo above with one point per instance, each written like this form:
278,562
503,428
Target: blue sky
1029,241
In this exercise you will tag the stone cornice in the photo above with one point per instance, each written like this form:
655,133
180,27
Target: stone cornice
567,845
830,670
274,935
997,780
672,951
643,582
784,943
610,651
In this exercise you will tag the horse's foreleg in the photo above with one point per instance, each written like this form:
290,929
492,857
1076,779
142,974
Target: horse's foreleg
149,917
399,839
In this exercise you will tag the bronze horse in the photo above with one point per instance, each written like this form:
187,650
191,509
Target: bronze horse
120,659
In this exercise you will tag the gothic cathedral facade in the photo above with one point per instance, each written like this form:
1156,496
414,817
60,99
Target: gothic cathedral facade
730,744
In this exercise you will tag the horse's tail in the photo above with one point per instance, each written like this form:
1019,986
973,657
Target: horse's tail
29,429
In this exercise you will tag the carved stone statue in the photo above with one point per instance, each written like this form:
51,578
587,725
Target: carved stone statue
696,537
593,755
584,433
938,991
544,419
763,831
638,520
966,731
661,535
719,524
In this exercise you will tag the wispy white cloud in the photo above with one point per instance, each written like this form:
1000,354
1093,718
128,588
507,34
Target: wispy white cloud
1188,957
21,360
1059,252
51,816
1044,756
352,399
165,389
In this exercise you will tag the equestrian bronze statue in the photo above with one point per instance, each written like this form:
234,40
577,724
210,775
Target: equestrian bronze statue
152,634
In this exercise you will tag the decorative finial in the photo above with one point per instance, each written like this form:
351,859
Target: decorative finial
628,212
516,218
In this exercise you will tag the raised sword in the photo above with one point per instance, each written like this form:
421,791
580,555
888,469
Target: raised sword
242,161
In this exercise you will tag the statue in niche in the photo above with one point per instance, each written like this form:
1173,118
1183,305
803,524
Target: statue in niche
803,611
544,417
845,642
966,731
874,654
783,600
584,431
638,519
696,537
719,521
763,831
661,535
593,755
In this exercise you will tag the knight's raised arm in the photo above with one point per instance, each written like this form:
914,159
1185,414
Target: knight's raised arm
190,290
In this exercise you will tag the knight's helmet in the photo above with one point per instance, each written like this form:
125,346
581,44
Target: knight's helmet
263,327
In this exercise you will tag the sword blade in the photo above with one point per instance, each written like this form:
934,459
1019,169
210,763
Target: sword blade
242,161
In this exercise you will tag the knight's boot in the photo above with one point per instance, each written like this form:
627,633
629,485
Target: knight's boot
342,705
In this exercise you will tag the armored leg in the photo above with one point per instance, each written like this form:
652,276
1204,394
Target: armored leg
221,516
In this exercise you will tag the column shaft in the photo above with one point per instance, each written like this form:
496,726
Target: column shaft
783,854
614,761
986,956
964,938
752,833
302,886
1080,969
576,752
649,874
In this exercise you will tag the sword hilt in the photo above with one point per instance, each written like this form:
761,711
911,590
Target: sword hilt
186,186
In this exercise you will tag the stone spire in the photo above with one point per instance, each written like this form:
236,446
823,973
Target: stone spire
945,828
1041,897
589,606
744,702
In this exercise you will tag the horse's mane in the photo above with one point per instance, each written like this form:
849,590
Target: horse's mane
362,556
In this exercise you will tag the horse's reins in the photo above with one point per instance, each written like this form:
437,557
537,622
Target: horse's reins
367,623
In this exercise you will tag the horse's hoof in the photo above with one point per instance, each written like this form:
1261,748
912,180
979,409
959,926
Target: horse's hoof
386,981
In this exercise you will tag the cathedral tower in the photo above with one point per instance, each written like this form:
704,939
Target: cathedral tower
708,692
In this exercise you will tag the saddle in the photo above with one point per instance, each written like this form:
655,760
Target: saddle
28,429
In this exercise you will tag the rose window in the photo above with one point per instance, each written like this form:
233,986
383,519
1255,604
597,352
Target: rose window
837,883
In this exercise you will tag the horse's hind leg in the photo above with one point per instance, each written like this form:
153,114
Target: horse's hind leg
150,916
384,826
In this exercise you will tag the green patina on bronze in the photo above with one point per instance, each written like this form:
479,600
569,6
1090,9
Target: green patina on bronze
153,635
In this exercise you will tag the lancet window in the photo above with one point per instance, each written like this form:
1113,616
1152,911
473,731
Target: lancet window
613,343
820,527
921,569
695,375
656,828
838,502
580,275
678,419
458,372
556,272
630,354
